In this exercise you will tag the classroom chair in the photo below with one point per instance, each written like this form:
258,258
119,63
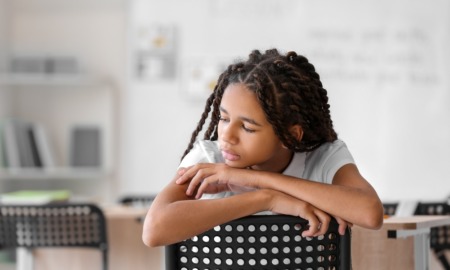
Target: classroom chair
390,208
262,242
28,227
440,236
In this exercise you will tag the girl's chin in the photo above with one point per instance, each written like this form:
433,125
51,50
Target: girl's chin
234,164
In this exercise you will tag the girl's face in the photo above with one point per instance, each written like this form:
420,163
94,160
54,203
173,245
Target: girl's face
246,138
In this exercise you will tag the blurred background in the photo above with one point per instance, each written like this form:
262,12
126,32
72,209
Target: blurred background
100,97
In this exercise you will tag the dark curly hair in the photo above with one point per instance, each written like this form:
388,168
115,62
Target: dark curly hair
290,93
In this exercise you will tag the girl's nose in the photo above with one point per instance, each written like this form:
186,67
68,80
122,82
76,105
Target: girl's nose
229,134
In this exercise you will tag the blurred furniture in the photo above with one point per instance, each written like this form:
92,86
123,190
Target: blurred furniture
260,242
390,208
29,227
125,247
401,243
137,200
439,236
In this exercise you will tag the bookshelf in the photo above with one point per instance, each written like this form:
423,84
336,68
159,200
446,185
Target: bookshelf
92,94
61,66
57,173
9,80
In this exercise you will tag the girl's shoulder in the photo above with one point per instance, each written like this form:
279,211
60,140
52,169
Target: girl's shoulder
328,147
323,162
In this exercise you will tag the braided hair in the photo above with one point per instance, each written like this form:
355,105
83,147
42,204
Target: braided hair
290,93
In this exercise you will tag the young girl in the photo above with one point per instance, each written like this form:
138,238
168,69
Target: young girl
270,146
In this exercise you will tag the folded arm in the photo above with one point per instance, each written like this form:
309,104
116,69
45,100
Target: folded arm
350,197
175,216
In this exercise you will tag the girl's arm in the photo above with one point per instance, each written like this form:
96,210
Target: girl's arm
350,197
174,216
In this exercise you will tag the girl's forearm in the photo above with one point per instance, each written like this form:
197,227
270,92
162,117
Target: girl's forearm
358,204
170,222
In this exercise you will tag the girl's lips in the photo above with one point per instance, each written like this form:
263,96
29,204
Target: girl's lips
229,156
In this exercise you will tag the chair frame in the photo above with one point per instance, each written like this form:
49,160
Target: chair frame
248,250
53,225
439,236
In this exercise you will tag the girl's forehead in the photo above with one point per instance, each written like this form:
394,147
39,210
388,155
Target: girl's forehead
239,92
240,100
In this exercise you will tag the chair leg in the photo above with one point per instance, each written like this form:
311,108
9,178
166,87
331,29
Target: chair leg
105,259
24,258
440,254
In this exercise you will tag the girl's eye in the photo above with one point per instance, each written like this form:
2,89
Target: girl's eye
249,130
223,119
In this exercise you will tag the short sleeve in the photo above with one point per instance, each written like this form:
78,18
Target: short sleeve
202,152
323,163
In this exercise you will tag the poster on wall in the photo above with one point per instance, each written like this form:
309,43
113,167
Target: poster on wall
199,76
156,52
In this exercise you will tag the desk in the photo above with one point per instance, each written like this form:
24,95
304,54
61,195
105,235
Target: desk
126,249
402,243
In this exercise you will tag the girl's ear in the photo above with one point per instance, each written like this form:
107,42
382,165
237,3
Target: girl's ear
297,132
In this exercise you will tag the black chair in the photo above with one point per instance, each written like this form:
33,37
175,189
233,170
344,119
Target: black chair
54,225
137,200
440,236
262,242
390,208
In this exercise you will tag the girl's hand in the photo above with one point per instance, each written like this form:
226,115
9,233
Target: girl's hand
212,178
319,221
343,225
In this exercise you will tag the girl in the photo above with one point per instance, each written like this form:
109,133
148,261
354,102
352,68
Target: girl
270,146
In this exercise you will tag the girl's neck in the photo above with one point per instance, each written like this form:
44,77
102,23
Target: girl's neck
277,164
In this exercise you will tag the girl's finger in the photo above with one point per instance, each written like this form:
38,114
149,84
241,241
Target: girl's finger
211,180
342,225
313,227
324,223
197,180
184,175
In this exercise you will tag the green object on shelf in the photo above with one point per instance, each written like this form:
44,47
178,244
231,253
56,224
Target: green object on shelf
34,196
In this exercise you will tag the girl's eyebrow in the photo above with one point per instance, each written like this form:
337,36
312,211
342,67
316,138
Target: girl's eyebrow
243,118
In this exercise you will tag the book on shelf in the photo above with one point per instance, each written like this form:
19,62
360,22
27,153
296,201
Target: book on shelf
34,196
10,144
43,146
25,145
2,148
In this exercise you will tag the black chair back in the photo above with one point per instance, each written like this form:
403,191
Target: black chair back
54,225
262,242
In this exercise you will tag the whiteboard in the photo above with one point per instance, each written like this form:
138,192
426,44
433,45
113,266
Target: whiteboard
384,63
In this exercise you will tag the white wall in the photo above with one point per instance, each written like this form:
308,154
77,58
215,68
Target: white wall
384,63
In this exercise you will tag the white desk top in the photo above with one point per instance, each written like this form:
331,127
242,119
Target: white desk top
415,222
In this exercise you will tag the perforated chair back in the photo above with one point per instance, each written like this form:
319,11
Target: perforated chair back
262,242
54,225
390,208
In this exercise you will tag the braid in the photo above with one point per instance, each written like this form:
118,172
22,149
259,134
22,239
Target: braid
290,93
199,125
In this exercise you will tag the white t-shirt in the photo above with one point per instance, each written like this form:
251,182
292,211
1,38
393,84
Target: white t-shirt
319,165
